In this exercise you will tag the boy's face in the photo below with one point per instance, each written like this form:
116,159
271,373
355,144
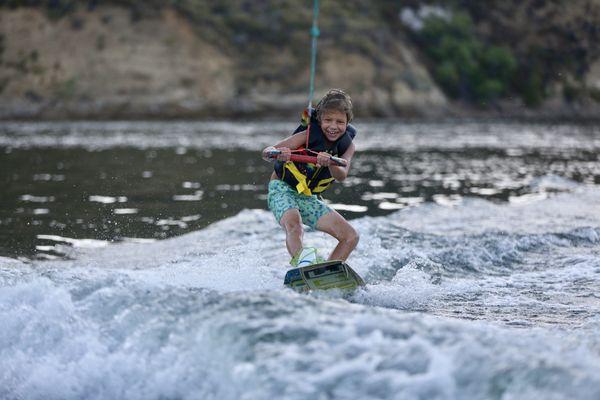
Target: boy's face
333,124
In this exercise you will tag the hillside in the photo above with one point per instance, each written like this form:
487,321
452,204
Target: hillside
80,59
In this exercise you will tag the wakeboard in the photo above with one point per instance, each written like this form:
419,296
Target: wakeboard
322,276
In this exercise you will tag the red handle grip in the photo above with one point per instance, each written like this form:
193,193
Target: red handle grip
307,159
303,159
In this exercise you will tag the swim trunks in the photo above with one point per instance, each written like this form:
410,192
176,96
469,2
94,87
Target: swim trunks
282,197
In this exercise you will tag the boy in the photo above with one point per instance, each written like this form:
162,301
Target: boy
293,187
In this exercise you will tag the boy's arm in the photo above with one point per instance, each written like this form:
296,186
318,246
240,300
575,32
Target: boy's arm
339,172
286,145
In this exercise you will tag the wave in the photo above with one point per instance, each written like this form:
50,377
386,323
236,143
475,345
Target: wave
474,237
471,300
127,339
406,260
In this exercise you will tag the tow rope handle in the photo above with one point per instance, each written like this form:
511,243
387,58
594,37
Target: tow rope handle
300,158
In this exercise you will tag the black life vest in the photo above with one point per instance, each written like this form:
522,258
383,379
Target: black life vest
308,178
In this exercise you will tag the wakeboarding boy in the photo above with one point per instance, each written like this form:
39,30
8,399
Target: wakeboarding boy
294,187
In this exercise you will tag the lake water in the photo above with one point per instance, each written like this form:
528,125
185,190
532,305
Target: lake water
139,261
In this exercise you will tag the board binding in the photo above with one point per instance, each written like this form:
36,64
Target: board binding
334,274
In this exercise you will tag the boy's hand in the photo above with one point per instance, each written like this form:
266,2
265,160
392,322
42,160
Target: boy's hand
325,160
285,154
282,154
266,153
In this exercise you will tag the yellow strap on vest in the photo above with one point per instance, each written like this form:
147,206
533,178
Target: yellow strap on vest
323,184
302,186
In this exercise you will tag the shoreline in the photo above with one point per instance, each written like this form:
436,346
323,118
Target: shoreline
176,113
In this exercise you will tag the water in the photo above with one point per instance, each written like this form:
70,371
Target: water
480,245
108,182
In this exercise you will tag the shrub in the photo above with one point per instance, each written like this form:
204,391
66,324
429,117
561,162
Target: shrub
465,67
530,84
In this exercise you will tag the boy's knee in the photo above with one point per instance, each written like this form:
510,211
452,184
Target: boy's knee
354,237
351,237
293,226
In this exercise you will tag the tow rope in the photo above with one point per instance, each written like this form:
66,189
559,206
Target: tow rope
314,32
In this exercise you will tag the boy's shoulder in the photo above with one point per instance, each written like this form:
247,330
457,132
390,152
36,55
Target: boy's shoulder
352,131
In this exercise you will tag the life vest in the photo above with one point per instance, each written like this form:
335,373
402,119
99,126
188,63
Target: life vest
308,178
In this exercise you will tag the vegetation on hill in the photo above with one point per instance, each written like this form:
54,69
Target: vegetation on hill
484,52
463,65
555,42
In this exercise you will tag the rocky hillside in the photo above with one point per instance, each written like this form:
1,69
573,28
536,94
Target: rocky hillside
188,58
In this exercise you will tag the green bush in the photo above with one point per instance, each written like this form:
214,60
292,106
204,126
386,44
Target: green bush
530,84
465,67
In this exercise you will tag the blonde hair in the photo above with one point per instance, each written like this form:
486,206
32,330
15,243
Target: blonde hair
337,100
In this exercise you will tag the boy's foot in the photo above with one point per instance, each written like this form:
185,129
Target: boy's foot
305,256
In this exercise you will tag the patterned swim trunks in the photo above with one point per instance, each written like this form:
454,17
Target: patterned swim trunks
282,197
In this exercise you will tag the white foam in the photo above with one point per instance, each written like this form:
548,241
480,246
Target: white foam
549,213
510,297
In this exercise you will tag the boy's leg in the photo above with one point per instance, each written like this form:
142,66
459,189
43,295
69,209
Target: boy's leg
292,224
282,201
335,225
